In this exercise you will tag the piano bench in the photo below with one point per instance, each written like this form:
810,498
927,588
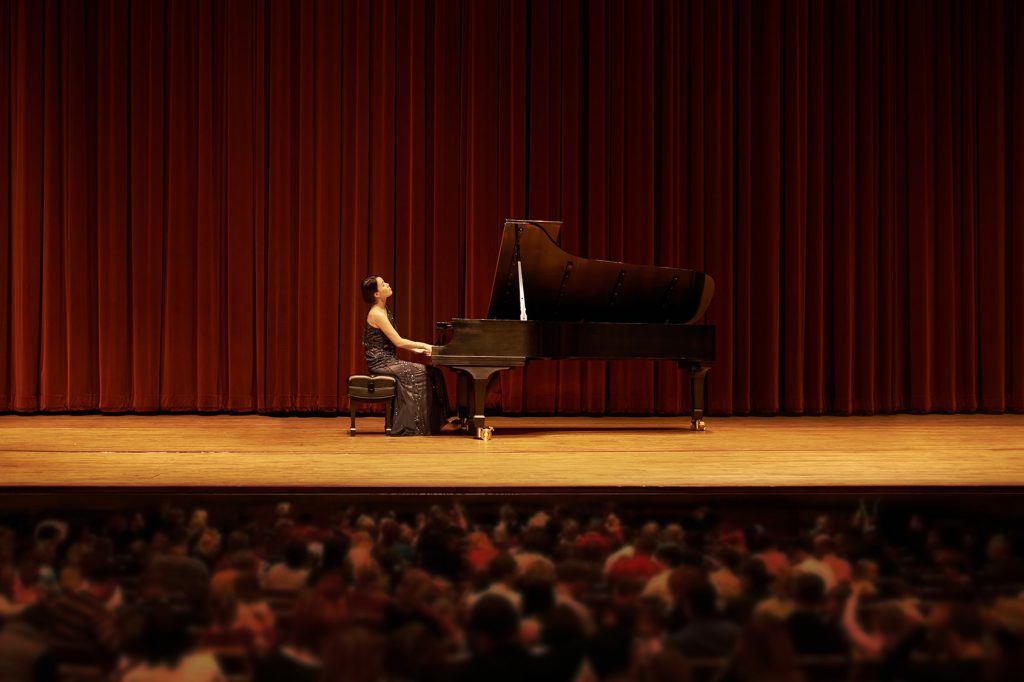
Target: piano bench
363,388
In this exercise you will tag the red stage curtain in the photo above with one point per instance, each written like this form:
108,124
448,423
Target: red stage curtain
191,190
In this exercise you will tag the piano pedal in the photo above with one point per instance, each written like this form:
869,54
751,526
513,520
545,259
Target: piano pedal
698,425
486,433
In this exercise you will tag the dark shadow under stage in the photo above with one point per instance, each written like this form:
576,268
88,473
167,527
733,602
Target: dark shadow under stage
234,452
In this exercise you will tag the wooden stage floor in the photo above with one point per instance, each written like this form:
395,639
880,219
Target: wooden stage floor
221,452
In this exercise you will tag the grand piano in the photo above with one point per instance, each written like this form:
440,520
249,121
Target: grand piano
548,304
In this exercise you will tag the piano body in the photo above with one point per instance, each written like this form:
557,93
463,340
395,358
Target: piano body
548,304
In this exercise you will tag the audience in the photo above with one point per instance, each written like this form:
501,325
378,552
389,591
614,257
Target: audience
365,594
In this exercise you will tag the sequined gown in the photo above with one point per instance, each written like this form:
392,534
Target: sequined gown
421,404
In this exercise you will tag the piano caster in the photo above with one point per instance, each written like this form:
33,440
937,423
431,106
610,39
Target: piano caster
698,425
485,433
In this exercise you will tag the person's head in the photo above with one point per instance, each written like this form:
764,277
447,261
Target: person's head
165,637
700,600
823,545
755,578
764,650
296,554
808,590
534,539
562,627
503,568
493,621
374,289
223,609
100,574
415,589
998,548
646,542
651,618
335,550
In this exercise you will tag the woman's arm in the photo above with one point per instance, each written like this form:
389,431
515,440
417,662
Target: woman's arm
869,644
379,319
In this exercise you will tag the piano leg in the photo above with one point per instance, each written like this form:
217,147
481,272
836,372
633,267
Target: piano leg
697,373
462,398
477,397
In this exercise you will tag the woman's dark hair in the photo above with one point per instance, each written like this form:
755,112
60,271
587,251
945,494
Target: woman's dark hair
369,288
296,554
165,637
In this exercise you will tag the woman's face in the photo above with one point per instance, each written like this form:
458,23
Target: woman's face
383,288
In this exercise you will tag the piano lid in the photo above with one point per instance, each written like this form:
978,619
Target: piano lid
560,286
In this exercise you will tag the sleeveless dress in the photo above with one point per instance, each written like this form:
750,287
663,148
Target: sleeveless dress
422,403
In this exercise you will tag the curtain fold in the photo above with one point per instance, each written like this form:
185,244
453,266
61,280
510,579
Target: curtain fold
191,191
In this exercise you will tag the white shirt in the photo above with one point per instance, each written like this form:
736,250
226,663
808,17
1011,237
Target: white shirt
198,667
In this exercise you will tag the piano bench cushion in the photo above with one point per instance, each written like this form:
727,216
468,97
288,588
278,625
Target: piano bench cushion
371,388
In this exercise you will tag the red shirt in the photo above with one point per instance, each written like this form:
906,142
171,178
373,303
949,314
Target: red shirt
641,566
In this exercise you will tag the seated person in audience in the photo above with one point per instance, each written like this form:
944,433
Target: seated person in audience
626,550
182,578
289,575
243,562
665,666
811,631
640,563
570,589
492,631
1005,621
167,655
764,547
254,613
368,599
669,555
564,645
354,654
755,587
24,653
723,576
537,587
805,561
81,628
690,572
299,657
956,637
534,547
224,632
825,551
865,577
650,622
763,653
504,574
414,652
894,632
1002,568
707,634
25,587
